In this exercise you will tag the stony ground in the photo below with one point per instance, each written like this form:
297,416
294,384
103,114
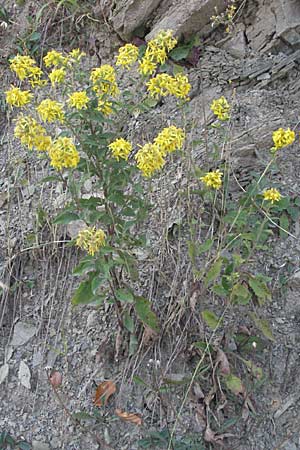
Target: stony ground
40,330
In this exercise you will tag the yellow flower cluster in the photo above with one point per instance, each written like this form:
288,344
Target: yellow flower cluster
63,153
151,157
221,108
105,107
25,68
57,76
91,240
213,179
128,54
170,139
75,55
282,138
120,148
78,100
31,133
157,52
272,195
54,58
164,84
16,97
104,81
50,111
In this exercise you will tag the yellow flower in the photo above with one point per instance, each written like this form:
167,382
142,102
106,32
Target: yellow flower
221,108
127,56
165,39
75,55
146,67
54,58
180,86
169,139
50,111
63,153
161,85
35,77
91,240
120,148
213,179
78,100
105,107
272,195
158,48
149,159
282,138
57,76
29,131
42,143
16,97
104,80
22,65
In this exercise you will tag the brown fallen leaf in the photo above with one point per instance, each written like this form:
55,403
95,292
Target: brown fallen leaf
103,392
129,417
223,361
55,379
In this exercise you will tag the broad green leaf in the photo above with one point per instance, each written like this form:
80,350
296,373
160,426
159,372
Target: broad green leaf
144,312
124,295
83,294
210,319
50,178
220,290
84,267
263,325
65,217
234,384
240,294
181,52
259,288
213,272
205,246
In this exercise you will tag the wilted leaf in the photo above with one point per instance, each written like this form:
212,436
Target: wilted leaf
103,392
55,379
264,326
234,384
129,417
210,319
223,361
213,272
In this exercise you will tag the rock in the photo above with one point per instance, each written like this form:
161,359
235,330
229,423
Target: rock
22,333
3,372
236,45
37,445
74,227
24,375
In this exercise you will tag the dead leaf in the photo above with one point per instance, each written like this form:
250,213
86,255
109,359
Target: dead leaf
55,379
103,392
223,361
129,417
148,335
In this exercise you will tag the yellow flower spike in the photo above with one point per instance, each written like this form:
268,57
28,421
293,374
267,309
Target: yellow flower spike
160,86
272,195
221,108
149,159
104,81
213,179
105,107
63,153
127,56
91,240
22,65
16,97
180,86
54,58
282,138
158,48
29,131
78,100
42,143
120,148
57,76
169,140
146,67
50,111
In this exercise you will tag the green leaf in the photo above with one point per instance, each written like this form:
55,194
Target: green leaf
284,223
213,272
84,267
263,326
220,290
124,295
234,384
240,294
181,52
256,371
84,294
205,246
50,178
133,344
259,288
210,319
23,445
144,312
65,217
82,415
128,322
